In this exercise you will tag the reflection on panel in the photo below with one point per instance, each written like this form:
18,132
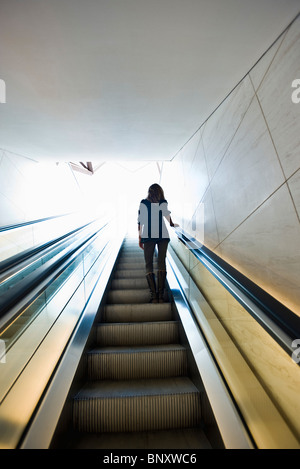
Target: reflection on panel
262,376
37,335
17,240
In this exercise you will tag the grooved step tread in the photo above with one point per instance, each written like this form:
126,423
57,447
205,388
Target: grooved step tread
141,312
134,307
135,388
130,283
131,258
137,333
137,405
129,296
129,273
136,324
139,362
137,348
189,438
131,265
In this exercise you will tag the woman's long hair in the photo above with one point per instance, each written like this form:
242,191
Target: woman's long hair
155,193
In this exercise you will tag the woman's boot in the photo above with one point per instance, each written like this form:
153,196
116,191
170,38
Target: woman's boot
161,278
152,287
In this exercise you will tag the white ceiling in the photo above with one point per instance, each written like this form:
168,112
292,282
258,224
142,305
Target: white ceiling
93,80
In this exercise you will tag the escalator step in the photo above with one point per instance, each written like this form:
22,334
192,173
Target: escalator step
137,333
131,265
137,405
129,296
114,363
130,283
130,273
137,312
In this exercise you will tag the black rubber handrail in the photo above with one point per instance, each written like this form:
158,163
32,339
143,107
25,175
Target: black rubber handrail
15,294
279,321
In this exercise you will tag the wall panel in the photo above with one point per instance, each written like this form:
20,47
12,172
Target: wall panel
245,170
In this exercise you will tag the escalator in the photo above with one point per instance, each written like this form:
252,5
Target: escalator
87,362
139,392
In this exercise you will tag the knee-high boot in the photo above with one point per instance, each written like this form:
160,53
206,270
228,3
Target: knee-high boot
161,278
152,287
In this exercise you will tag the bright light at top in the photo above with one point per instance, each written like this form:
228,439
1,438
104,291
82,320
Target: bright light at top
117,189
114,191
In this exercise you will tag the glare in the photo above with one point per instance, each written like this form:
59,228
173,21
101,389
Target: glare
113,191
121,187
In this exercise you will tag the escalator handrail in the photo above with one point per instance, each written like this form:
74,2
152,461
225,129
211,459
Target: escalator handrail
16,294
279,321
31,222
27,254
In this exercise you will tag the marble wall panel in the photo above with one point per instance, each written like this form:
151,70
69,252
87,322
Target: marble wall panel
197,179
251,191
294,186
248,174
172,183
211,234
188,153
222,125
266,248
259,71
275,95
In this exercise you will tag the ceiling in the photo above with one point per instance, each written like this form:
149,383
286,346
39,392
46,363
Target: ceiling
130,80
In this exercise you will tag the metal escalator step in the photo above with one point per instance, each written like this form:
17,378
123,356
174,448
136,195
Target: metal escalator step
131,258
132,245
129,283
140,362
131,265
137,405
137,312
128,296
131,251
137,263
141,333
130,273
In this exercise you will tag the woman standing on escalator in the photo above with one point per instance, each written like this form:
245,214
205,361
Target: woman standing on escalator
152,232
